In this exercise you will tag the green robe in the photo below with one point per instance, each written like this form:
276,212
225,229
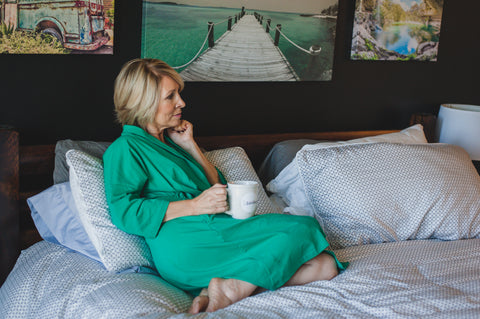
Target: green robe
143,175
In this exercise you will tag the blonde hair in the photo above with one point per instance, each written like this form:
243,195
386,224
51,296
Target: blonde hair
137,88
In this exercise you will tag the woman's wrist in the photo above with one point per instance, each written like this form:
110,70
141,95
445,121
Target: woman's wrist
191,147
180,208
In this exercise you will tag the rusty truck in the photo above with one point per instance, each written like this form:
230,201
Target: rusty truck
77,25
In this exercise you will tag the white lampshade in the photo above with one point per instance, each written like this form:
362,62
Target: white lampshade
459,124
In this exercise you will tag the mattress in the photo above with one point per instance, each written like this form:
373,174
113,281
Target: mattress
422,278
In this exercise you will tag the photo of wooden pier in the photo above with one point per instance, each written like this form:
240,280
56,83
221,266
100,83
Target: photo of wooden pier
243,45
246,52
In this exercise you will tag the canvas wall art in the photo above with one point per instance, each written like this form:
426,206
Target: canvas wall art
397,30
56,26
242,40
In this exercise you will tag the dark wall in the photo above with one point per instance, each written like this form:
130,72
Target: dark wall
50,97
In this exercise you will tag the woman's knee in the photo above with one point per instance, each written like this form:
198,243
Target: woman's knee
325,266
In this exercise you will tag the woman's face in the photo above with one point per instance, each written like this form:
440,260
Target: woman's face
169,112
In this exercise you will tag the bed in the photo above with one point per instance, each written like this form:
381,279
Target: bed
403,212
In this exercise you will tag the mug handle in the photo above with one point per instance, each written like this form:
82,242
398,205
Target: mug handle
229,212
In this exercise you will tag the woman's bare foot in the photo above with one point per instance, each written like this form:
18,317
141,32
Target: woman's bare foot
221,293
200,302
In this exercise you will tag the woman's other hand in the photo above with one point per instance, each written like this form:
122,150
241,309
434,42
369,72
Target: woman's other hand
182,134
212,200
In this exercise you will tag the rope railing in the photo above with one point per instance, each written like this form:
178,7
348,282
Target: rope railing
210,37
198,53
223,21
313,50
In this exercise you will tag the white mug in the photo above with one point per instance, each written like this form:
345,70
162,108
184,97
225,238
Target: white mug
242,198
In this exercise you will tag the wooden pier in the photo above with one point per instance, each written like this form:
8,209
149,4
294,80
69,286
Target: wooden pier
246,53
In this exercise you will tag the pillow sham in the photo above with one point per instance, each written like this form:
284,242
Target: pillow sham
117,249
288,184
235,165
56,219
384,192
61,169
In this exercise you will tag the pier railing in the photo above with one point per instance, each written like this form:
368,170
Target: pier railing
210,34
313,50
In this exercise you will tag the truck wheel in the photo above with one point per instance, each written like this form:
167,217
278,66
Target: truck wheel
54,33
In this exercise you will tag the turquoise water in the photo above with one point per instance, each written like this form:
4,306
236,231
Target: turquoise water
397,38
175,34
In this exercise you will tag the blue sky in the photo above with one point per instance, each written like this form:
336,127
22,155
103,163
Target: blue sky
407,4
299,6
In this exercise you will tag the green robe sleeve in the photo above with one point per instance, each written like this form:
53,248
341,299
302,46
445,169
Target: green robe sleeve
124,180
142,177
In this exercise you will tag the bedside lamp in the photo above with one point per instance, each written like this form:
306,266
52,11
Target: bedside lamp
459,124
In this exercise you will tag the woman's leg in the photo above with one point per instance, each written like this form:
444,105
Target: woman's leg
220,294
322,267
223,292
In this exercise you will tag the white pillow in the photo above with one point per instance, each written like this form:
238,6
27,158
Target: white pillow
289,187
235,165
384,192
117,249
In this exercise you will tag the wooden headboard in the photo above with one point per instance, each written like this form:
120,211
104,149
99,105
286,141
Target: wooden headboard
28,169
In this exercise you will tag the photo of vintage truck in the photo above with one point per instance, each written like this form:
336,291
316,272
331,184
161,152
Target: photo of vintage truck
77,25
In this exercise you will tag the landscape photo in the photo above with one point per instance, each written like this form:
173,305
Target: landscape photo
398,30
249,40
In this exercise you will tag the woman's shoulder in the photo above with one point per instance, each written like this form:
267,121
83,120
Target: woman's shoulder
122,146
130,143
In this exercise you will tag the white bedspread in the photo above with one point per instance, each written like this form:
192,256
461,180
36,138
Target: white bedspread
414,279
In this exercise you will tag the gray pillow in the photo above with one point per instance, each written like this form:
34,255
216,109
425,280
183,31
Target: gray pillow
60,171
279,157
384,192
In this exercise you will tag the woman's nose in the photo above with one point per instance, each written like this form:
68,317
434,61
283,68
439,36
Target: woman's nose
181,103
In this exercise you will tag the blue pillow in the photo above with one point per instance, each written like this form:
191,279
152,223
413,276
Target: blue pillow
56,218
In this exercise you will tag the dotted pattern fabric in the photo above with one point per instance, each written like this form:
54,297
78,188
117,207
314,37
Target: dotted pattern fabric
385,192
409,279
235,165
117,249
51,281
288,184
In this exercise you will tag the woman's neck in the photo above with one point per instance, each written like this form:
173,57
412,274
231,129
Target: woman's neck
158,134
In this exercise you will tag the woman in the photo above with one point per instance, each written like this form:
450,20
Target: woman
159,185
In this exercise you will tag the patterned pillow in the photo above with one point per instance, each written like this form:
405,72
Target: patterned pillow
385,192
117,249
288,184
234,163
